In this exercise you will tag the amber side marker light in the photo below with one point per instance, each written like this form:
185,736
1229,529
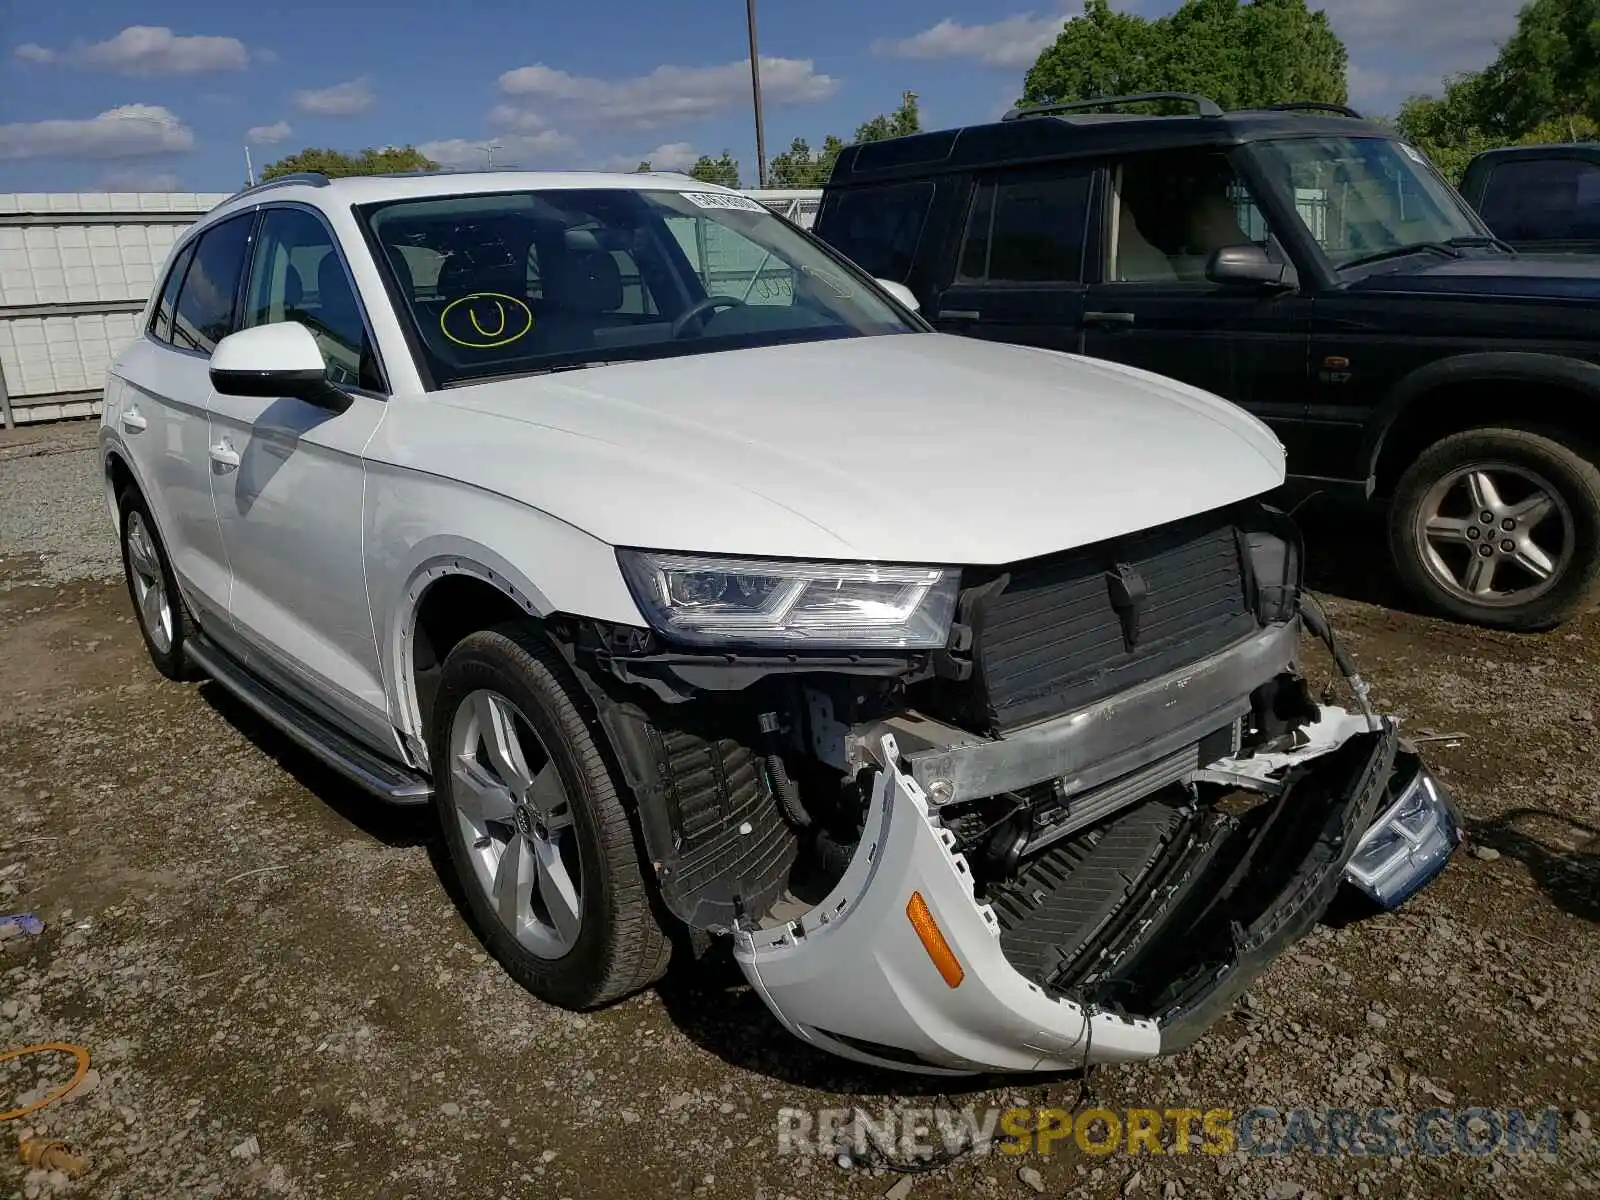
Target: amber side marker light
933,941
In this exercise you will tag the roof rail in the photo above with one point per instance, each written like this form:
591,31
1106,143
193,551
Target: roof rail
1203,106
313,178
1342,110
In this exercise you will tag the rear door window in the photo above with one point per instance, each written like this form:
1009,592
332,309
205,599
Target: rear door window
203,315
161,321
1028,228
879,228
1543,199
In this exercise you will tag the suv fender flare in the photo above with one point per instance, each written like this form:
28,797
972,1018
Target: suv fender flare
434,559
1572,374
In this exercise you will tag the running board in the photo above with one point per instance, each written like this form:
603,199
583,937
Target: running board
388,781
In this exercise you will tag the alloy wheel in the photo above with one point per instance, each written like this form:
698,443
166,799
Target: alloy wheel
149,583
517,822
1495,534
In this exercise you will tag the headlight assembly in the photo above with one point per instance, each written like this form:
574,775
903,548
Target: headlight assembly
706,601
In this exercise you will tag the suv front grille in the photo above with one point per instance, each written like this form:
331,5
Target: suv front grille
1050,634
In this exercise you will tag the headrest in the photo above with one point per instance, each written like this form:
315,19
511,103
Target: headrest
592,282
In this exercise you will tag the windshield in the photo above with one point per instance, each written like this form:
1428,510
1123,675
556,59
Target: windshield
527,282
1361,197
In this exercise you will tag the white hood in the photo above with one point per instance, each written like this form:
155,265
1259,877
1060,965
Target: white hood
908,448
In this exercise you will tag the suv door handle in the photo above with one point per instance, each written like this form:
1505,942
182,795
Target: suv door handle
225,456
959,314
1108,318
133,421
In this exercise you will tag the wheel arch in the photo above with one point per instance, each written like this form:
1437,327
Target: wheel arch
1558,394
451,592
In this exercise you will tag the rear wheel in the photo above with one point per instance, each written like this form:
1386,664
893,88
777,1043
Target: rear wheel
1500,527
537,834
157,607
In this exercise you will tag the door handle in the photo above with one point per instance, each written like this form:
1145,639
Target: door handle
1108,318
133,421
225,456
959,314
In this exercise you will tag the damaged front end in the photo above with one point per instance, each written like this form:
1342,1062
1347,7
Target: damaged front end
1073,834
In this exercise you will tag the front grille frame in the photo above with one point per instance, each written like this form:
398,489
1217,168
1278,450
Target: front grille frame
1046,638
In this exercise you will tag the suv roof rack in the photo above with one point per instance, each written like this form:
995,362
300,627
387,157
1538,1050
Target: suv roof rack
1343,110
1204,106
313,178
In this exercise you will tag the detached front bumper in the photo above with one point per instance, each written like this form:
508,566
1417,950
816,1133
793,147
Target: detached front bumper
902,967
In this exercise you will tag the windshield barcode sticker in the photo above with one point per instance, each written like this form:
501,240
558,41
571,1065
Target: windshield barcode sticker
722,200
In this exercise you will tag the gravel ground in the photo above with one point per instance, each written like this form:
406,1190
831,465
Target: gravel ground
52,503
280,999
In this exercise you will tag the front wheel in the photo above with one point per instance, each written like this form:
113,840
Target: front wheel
1500,527
534,823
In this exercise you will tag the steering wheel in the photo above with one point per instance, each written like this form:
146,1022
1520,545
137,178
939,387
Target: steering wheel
702,309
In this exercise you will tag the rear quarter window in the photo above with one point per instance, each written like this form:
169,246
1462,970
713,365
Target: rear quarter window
879,228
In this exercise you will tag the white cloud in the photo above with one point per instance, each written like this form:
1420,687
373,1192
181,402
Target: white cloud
509,150
33,52
671,156
131,131
133,179
268,135
1399,48
1013,42
341,100
156,50
668,94
509,116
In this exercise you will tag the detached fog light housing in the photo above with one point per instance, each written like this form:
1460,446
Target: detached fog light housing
700,600
1409,843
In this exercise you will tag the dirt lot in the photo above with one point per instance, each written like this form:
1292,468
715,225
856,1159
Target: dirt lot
280,999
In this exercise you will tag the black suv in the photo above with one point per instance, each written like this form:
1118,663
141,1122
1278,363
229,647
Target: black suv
1544,199
1303,263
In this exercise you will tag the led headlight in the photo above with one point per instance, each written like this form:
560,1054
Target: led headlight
1409,843
706,601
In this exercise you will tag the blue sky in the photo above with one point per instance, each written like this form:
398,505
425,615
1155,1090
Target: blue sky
145,93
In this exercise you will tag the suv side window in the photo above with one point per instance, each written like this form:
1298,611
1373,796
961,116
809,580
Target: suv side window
878,228
297,274
203,314
1543,199
1027,228
1171,212
161,319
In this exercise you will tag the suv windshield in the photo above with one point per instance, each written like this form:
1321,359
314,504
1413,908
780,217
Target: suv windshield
527,282
1366,197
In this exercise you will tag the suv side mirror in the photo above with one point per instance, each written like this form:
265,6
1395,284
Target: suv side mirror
1246,266
275,360
901,293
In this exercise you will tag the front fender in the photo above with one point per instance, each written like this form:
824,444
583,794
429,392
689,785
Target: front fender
1512,368
412,539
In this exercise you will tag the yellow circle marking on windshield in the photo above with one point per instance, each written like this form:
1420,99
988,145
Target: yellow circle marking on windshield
511,314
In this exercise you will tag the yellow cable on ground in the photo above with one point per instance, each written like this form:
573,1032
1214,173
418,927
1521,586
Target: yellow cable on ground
80,1053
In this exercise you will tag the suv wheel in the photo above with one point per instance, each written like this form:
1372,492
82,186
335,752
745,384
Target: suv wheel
533,820
157,606
1500,527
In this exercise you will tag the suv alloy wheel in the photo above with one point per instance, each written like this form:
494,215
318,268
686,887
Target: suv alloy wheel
1500,527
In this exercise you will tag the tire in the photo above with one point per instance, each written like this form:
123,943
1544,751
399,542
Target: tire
1437,536
508,678
144,566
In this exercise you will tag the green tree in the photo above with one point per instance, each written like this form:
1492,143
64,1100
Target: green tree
799,167
1543,86
1240,53
724,170
334,163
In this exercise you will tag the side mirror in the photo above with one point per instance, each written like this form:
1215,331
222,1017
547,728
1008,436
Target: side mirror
275,360
1246,266
901,293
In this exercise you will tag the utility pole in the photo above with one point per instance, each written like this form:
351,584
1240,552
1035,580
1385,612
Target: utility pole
249,170
755,87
